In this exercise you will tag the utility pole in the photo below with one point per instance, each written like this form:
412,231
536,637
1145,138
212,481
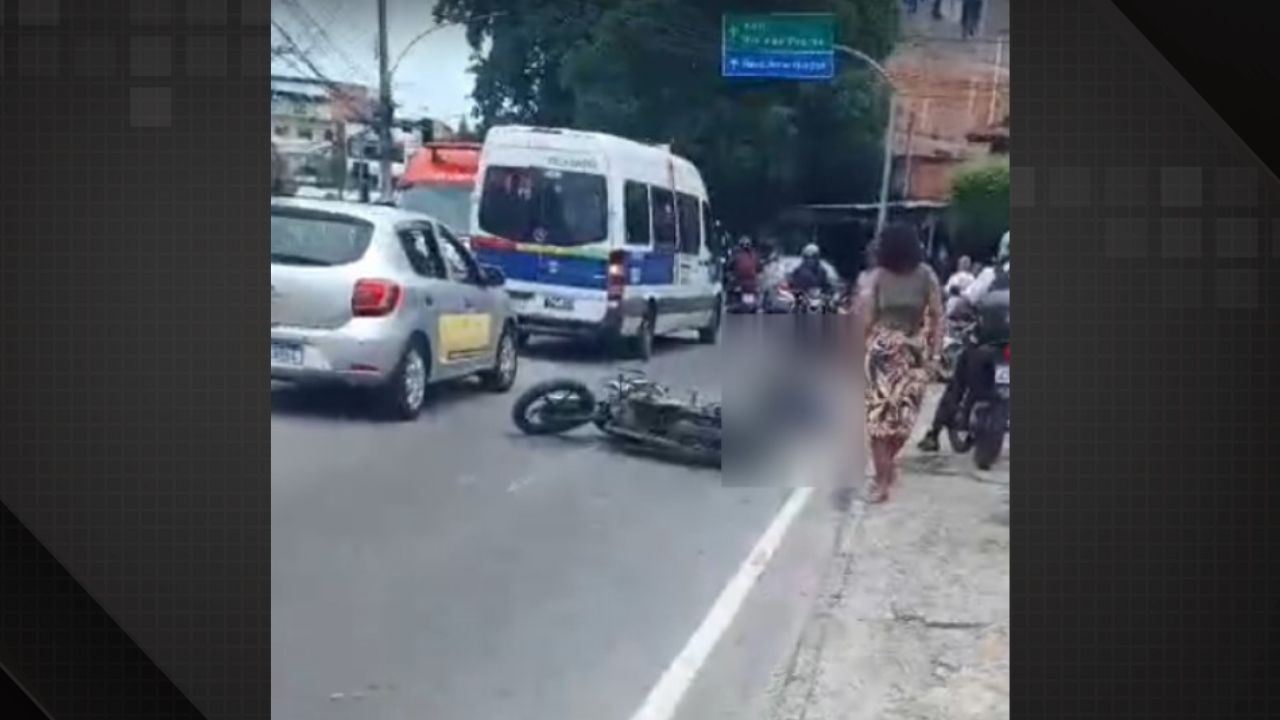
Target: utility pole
385,110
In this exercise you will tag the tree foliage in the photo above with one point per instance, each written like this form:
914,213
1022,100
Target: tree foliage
650,70
980,207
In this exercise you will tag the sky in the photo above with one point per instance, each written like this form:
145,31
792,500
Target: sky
341,38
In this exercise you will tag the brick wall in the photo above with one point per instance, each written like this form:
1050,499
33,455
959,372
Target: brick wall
948,87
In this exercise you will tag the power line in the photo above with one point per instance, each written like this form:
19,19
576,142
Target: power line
321,35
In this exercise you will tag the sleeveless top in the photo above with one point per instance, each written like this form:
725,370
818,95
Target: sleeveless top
901,300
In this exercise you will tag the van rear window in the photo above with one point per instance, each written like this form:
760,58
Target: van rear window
544,206
299,237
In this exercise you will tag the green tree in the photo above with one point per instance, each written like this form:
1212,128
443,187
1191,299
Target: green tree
979,207
650,70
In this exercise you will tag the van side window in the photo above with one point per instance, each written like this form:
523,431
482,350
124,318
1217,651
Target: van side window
709,229
664,219
690,225
639,220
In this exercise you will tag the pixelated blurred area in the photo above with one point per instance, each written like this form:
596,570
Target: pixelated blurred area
794,387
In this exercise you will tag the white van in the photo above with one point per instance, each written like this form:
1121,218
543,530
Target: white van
597,235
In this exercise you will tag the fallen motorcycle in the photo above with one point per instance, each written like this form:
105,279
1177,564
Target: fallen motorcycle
633,411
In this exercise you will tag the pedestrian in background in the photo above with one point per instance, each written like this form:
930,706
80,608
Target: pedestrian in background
959,282
901,308
970,13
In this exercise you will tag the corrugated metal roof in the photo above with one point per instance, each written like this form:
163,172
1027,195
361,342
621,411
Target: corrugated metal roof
293,87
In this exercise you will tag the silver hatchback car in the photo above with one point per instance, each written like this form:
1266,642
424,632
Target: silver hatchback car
379,297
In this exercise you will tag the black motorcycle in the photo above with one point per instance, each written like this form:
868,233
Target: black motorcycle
982,421
634,411
742,299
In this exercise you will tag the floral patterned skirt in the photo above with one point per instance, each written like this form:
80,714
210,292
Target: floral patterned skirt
896,380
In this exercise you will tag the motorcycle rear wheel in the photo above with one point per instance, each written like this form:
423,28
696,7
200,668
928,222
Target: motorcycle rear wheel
554,406
990,425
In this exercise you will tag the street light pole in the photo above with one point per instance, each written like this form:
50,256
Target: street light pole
882,214
384,104
436,28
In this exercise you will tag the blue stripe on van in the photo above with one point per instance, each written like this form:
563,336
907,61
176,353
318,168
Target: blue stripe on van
576,271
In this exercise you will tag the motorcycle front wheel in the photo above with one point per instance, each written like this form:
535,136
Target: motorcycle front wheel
554,406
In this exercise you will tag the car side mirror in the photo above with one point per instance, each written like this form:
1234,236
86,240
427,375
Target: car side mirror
491,276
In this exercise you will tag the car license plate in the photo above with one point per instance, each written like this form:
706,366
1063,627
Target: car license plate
286,354
555,302
1002,374
748,298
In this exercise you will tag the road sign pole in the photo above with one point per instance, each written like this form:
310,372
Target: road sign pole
882,214
891,125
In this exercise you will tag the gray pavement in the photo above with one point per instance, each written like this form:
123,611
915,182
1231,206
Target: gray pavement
450,568
913,620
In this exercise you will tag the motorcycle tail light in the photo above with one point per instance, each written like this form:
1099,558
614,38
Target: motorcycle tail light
1006,353
616,279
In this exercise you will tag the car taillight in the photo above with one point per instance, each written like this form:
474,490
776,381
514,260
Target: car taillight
375,298
616,279
1006,353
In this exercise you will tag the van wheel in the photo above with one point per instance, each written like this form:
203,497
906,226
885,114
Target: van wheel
642,343
405,393
711,333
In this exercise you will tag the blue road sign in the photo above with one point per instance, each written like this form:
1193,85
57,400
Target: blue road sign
792,66
792,46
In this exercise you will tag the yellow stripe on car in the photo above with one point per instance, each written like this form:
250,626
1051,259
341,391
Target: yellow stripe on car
463,334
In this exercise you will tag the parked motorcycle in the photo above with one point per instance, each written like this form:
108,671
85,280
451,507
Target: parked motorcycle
982,421
960,332
632,410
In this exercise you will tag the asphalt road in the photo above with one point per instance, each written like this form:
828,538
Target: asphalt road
451,568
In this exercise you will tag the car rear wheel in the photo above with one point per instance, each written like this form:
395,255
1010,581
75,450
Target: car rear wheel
505,364
405,393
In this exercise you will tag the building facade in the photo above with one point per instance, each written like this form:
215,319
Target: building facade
953,89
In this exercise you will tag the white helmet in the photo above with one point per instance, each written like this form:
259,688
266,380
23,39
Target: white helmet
810,251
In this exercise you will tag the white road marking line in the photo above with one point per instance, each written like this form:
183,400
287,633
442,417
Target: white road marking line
675,682
520,483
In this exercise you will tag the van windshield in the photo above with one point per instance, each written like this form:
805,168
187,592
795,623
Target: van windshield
450,204
544,206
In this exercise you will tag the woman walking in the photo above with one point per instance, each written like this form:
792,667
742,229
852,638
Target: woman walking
901,308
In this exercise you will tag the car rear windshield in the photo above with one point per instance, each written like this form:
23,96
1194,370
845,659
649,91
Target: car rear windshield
317,239
450,204
544,206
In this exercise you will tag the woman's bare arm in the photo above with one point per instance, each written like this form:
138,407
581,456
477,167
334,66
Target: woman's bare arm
865,305
933,315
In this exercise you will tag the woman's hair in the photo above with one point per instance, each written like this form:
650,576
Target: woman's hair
899,250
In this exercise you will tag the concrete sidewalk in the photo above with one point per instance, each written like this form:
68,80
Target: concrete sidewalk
913,622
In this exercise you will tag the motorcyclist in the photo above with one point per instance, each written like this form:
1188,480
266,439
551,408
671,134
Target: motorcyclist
810,273
745,264
988,295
